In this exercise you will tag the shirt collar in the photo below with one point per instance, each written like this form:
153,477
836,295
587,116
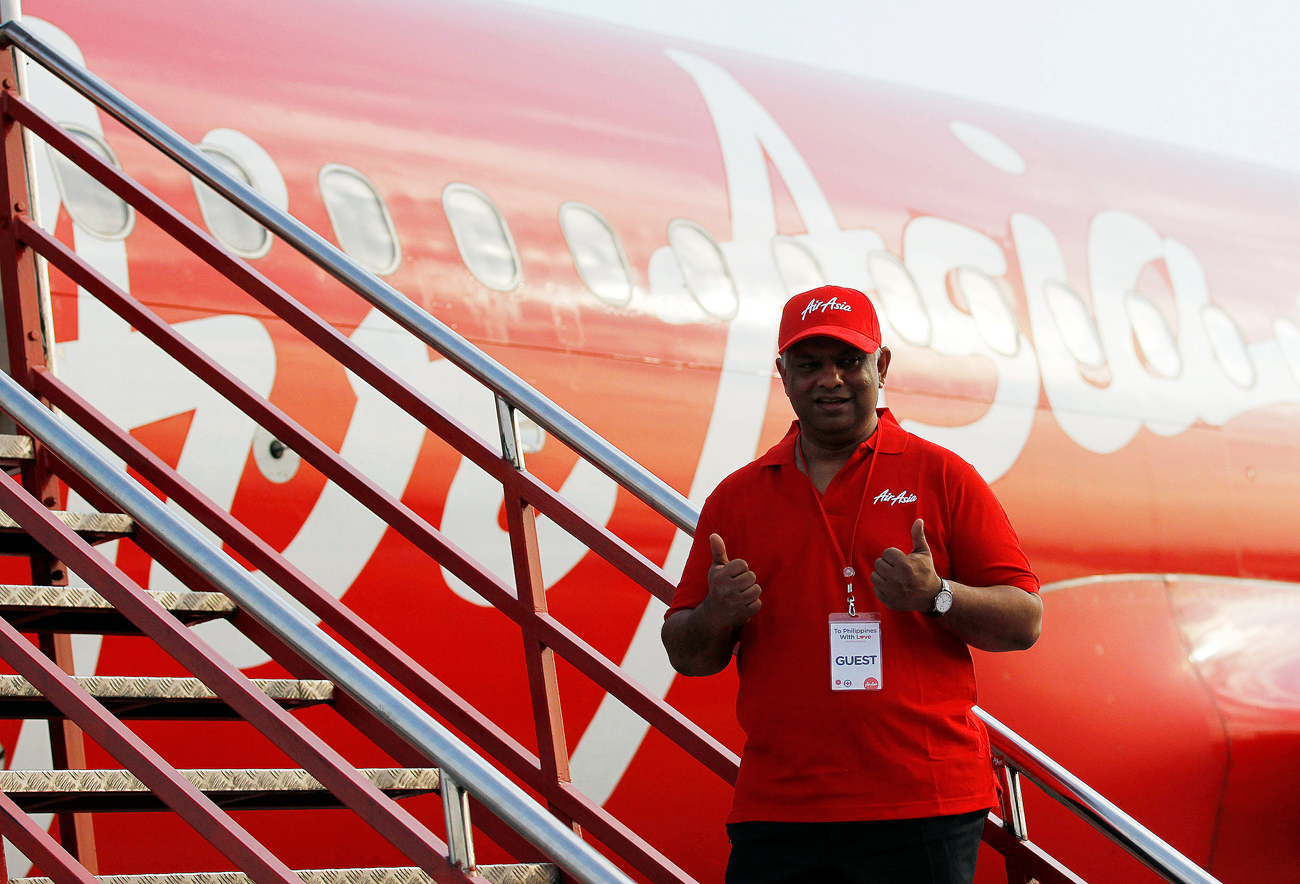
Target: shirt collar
889,438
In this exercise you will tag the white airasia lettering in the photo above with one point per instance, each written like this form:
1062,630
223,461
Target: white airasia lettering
893,499
816,306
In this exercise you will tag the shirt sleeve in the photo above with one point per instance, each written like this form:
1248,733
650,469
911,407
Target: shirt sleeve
983,548
694,585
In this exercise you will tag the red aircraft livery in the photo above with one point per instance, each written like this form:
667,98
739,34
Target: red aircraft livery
1108,331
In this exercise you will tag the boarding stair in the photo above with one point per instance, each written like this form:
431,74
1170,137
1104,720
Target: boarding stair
439,743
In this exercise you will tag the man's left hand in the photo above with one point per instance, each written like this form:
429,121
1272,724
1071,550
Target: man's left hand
907,581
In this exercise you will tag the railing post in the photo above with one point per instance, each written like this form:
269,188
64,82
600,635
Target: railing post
28,333
455,811
1012,810
1012,798
544,689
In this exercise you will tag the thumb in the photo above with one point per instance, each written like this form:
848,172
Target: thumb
719,549
918,538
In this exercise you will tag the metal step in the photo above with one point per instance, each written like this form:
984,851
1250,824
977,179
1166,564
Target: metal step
82,610
93,528
14,450
157,698
119,790
517,873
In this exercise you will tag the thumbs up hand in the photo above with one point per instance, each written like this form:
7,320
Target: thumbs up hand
733,588
907,581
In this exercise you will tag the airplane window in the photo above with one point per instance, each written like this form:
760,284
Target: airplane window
902,299
1153,336
1229,346
1076,326
1288,338
238,232
993,317
798,268
596,252
482,237
94,207
704,269
360,219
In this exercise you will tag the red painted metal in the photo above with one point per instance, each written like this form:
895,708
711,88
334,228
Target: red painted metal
27,353
67,743
36,844
1026,861
543,688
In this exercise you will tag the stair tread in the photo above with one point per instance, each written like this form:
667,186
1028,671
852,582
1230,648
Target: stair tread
90,523
81,609
92,527
122,687
400,779
26,596
511,873
15,447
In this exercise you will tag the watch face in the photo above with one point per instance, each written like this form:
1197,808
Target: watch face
943,601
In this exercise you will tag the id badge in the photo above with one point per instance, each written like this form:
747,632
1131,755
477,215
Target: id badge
855,652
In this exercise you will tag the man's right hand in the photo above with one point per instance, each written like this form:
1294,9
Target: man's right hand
700,640
733,589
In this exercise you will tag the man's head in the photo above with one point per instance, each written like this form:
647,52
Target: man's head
832,364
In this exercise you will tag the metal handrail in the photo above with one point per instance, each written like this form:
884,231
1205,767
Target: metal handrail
1092,807
494,790
572,432
371,690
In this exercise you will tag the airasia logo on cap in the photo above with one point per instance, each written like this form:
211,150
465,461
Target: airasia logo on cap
816,306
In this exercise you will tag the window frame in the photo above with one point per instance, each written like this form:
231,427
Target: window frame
967,272
330,168
462,187
919,301
1215,309
1068,291
80,129
781,240
575,205
677,223
268,237
1129,299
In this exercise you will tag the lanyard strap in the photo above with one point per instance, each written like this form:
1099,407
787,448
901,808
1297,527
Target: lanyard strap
845,562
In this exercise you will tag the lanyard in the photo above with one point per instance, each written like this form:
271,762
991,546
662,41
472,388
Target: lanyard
845,563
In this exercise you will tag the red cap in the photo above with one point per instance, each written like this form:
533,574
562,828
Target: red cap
831,311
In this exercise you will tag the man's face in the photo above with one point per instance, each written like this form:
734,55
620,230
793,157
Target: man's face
833,388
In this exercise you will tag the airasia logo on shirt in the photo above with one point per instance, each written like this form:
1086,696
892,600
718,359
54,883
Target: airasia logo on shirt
893,499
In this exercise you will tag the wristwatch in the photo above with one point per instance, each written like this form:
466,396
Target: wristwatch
942,600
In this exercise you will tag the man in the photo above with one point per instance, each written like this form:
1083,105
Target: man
862,760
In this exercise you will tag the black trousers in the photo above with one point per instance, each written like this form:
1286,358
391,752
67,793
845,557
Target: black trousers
931,850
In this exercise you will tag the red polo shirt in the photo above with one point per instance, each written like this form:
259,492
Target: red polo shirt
913,748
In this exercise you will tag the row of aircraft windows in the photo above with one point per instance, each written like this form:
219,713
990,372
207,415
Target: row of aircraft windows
364,229
362,225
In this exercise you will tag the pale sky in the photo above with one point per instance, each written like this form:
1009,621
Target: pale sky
1216,76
